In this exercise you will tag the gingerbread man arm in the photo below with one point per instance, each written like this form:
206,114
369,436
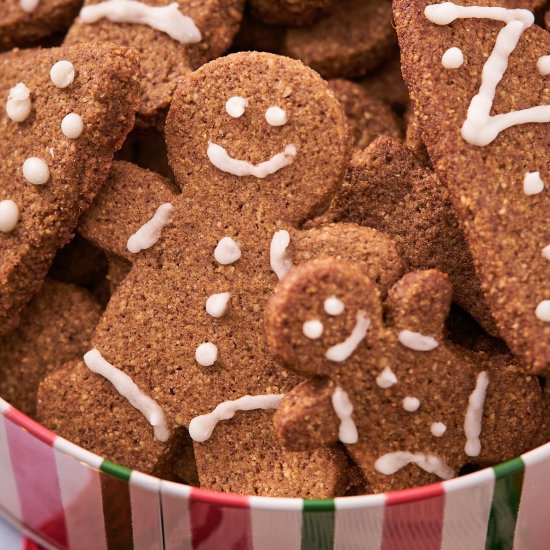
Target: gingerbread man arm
130,198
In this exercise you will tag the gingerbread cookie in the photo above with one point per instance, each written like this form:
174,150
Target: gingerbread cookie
24,22
56,326
67,111
256,36
413,140
258,143
294,13
410,408
353,39
171,39
368,116
484,121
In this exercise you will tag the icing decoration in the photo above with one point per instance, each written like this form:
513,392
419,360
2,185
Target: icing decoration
167,19
235,106
227,251
148,234
533,184
411,404
275,116
480,128
221,159
128,389
19,106
543,311
543,65
202,427
9,216
333,306
279,259
342,351
417,341
474,415
36,171
313,329
386,379
438,429
343,408
72,126
546,252
216,305
62,74
206,354
29,5
453,58
391,463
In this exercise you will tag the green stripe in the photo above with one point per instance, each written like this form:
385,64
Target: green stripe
318,525
505,505
115,470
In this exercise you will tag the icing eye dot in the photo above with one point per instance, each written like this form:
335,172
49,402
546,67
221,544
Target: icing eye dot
453,58
543,65
62,74
386,379
546,252
9,216
313,329
333,306
206,354
216,305
19,106
72,126
438,429
29,5
275,116
227,251
36,171
411,404
543,311
533,184
235,106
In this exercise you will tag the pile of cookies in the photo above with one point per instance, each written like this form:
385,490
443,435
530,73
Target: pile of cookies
238,251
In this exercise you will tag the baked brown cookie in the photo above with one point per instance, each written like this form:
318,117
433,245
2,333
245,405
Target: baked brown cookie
67,111
349,42
413,140
368,116
294,13
179,37
118,268
493,164
56,326
186,323
256,36
410,408
24,22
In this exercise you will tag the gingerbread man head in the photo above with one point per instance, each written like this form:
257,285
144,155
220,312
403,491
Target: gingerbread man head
410,408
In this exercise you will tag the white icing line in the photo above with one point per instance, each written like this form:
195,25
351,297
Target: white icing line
36,171
411,404
447,12
343,408
167,19
227,251
417,341
474,415
543,311
453,58
235,106
221,159
9,216
62,74
386,379
342,351
391,463
275,116
202,427
128,389
333,306
216,304
312,329
29,5
279,259
19,105
149,233
532,183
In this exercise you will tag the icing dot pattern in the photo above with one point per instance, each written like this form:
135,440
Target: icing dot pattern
62,74
36,171
9,215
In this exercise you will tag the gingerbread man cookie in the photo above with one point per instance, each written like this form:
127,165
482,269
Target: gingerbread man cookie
485,122
258,144
66,112
294,13
410,408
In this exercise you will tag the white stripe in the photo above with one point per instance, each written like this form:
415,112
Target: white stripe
80,488
82,455
175,515
146,521
9,497
10,537
359,522
467,507
533,527
276,523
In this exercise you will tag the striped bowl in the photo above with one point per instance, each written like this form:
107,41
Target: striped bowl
66,497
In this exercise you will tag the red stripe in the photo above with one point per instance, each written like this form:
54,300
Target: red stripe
30,425
29,544
35,472
413,519
220,520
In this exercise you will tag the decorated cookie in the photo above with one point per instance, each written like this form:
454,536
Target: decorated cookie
56,326
289,12
64,114
258,143
23,22
485,123
171,38
410,408
353,39
368,116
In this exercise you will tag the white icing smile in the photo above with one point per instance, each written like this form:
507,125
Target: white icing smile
221,159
